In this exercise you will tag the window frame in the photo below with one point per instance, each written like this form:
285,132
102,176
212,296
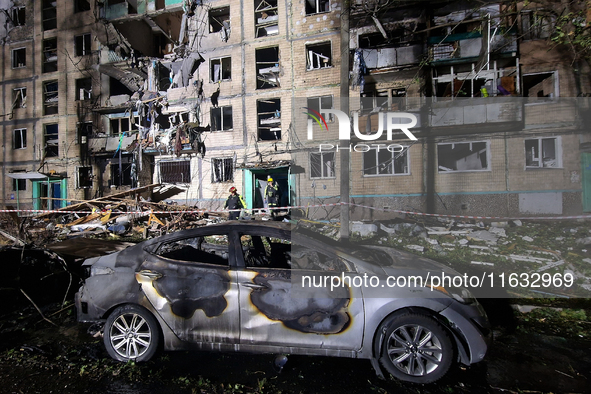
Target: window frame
22,138
174,171
46,146
46,96
540,150
330,117
49,66
488,157
221,117
80,85
125,177
48,15
224,177
541,100
82,44
19,185
14,14
391,159
267,130
218,26
19,97
260,28
316,8
323,165
264,80
310,62
220,60
15,58
537,24
78,177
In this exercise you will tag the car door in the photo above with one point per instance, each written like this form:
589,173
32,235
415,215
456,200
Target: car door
190,284
276,312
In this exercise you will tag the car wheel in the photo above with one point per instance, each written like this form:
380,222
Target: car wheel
131,333
415,348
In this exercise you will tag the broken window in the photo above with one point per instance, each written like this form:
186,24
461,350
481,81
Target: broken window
50,98
542,153
222,170
322,165
82,44
374,100
50,55
319,55
540,85
49,14
221,69
19,58
209,249
537,24
219,22
317,6
19,138
269,119
381,161
178,171
84,178
121,174
267,65
17,14
51,139
19,98
377,103
123,125
266,18
221,118
463,156
319,103
372,40
84,88
266,252
84,130
81,6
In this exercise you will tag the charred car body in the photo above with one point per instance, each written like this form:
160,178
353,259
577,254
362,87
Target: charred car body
241,286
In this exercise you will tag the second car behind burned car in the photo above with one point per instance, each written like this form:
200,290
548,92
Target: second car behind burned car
237,287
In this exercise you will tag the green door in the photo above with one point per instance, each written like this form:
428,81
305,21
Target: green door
586,161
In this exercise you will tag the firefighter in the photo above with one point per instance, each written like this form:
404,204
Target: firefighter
234,201
272,196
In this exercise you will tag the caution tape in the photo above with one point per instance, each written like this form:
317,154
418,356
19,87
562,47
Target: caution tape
204,211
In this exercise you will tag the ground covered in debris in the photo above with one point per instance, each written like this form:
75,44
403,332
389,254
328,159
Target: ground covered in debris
540,344
545,351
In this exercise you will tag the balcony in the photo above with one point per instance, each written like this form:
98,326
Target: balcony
392,57
109,144
478,111
467,47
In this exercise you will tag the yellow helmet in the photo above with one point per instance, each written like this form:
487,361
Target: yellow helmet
270,179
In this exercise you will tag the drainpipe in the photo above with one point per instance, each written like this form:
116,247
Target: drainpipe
344,153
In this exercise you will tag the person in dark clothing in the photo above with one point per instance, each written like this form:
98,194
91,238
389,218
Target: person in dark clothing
272,195
234,201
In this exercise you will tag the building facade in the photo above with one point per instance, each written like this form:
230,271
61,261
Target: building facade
106,96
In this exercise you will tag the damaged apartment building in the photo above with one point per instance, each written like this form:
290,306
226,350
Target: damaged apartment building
105,96
501,110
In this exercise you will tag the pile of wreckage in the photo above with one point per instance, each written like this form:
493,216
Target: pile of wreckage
126,213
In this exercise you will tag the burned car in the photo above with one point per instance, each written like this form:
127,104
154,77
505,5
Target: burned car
260,287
